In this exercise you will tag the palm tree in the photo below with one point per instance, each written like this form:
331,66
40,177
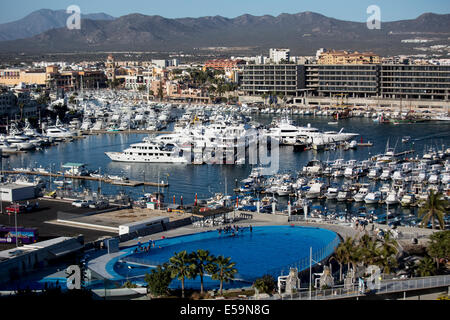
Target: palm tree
222,269
201,260
426,267
340,259
388,250
433,208
160,94
181,267
264,96
368,250
21,105
346,250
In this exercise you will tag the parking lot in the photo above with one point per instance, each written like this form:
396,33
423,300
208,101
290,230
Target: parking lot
48,210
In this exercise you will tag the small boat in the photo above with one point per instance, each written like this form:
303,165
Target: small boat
392,198
406,139
372,197
333,123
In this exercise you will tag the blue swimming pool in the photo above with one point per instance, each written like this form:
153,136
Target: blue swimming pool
264,250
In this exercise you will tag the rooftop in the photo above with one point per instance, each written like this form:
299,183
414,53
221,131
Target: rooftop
15,252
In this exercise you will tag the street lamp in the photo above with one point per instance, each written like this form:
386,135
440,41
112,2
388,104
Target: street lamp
15,219
128,271
310,270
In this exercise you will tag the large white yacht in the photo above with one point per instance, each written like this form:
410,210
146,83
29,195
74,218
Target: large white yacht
287,133
148,152
58,132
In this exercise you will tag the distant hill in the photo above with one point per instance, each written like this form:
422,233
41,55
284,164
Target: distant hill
40,21
303,33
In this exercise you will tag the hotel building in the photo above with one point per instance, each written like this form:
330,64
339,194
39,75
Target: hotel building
286,79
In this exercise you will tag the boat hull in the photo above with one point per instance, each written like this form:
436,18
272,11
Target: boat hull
120,157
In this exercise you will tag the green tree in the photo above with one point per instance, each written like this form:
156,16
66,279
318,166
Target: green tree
112,84
21,105
220,90
181,267
158,280
72,99
43,99
368,251
439,246
202,259
282,97
160,93
340,260
387,253
432,209
347,251
141,88
426,267
128,284
265,284
222,269
264,96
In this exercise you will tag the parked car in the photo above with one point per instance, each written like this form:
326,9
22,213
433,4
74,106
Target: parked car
20,208
16,208
99,205
81,203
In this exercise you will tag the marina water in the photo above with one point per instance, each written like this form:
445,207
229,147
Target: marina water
205,180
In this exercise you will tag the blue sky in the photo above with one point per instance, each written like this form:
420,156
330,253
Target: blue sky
353,10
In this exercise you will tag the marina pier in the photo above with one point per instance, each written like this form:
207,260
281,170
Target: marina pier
128,183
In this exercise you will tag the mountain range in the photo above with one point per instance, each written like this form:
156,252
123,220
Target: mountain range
40,21
303,33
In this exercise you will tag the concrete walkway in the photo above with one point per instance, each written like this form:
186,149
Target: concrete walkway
99,263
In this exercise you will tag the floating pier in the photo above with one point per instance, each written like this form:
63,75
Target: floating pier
128,183
404,153
88,132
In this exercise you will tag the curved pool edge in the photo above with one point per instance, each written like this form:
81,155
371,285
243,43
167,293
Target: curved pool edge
115,276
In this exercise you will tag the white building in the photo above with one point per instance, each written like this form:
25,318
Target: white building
319,52
161,63
15,192
134,82
277,55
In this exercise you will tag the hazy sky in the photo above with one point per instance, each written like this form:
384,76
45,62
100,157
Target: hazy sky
353,10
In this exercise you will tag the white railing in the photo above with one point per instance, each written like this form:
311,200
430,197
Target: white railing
385,287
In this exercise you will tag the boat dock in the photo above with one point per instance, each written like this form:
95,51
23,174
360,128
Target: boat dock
404,153
88,132
128,183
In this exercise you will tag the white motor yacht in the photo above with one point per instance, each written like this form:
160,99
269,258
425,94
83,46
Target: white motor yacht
332,193
386,174
374,173
361,194
284,190
372,197
392,198
344,195
315,191
5,146
148,152
407,199
59,132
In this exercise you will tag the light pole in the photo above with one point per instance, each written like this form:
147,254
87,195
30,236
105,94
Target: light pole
15,218
143,186
310,270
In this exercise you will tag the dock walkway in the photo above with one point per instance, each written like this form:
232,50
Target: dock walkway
128,183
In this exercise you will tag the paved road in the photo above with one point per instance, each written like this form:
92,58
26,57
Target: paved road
47,211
